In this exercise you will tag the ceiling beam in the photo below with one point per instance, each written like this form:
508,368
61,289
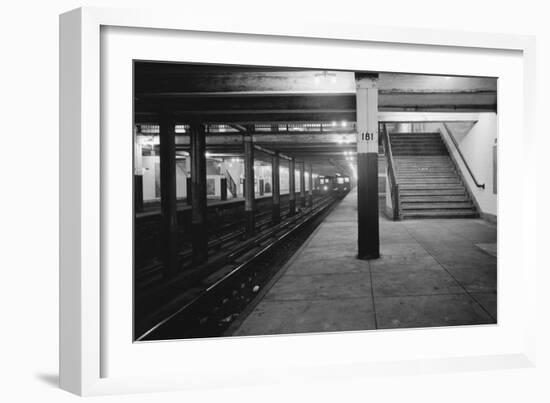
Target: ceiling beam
287,109
276,139
166,78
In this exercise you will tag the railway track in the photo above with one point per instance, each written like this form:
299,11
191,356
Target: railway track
221,238
228,284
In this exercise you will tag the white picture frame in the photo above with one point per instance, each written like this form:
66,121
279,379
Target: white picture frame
84,192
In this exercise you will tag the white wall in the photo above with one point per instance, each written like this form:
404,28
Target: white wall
217,187
181,179
283,179
262,172
476,143
149,163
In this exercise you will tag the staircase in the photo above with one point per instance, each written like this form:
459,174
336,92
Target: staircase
429,185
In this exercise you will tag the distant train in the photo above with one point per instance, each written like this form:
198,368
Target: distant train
338,185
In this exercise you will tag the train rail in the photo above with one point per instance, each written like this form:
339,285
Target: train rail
227,284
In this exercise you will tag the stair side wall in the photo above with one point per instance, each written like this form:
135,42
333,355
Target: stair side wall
484,199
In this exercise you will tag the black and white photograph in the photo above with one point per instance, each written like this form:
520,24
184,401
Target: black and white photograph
296,201
274,200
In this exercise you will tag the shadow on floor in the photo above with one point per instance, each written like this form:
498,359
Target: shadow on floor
49,379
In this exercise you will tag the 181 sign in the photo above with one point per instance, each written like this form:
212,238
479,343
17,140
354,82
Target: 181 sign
367,136
367,142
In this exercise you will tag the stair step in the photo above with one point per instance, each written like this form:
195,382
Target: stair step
454,179
420,151
434,198
429,182
436,159
427,179
425,172
436,186
405,206
441,214
417,137
420,148
403,193
423,151
413,143
419,158
435,136
423,158
428,158
413,153
424,167
417,144
398,144
422,175
423,164
426,134
411,140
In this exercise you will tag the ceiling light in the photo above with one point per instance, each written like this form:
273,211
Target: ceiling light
325,75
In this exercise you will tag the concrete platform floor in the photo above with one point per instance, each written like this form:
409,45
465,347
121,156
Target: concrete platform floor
432,272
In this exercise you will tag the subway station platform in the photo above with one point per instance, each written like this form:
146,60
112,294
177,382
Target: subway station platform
432,272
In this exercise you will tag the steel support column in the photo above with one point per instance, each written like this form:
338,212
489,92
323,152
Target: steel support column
275,190
291,187
310,193
198,193
249,185
303,184
168,200
367,166
138,173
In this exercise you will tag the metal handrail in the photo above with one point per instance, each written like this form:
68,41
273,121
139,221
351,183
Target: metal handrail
394,186
231,184
482,186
